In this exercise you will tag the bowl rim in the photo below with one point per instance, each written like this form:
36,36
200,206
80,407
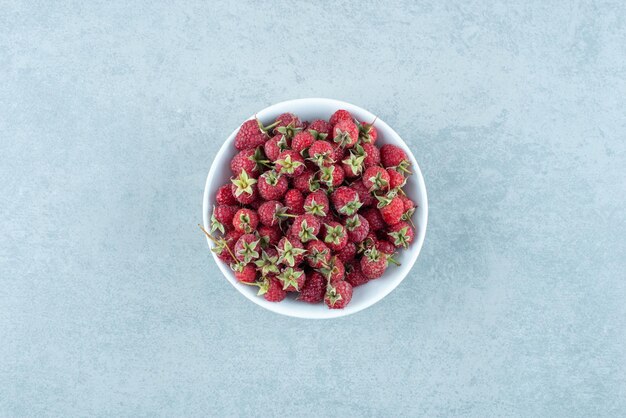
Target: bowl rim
328,313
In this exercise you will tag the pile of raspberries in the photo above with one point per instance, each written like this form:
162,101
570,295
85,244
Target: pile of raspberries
314,208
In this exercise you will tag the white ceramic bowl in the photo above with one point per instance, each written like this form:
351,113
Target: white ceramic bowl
365,295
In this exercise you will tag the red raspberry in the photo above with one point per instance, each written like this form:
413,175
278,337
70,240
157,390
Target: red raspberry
338,295
401,234
376,178
272,186
286,119
346,200
225,245
335,236
306,227
305,182
244,272
372,155
302,141
317,204
290,163
332,176
270,235
340,115
355,276
394,156
314,288
374,219
322,153
391,209
396,180
251,134
347,253
224,196
364,195
247,248
358,227
294,200
223,214
292,279
335,271
244,188
267,264
275,146
367,133
373,263
318,254
290,252
271,213
353,164
248,161
319,128
245,221
408,203
345,133
385,246
273,290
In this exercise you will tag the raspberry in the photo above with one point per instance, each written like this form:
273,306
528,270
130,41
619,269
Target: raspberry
346,200
244,272
314,288
248,160
224,196
288,120
270,235
318,254
292,279
222,217
353,164
358,227
267,264
374,219
364,195
317,204
338,295
396,180
302,141
290,163
306,227
355,276
290,252
373,263
335,236
305,182
401,234
294,200
347,253
409,208
341,114
332,176
321,153
320,129
394,156
335,271
274,147
247,248
345,133
271,213
244,188
245,221
273,291
391,208
225,245
372,155
376,178
272,186
385,246
367,133
251,134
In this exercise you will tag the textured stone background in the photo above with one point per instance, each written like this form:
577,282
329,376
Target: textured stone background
111,113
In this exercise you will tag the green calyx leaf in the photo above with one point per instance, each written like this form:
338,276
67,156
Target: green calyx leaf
249,251
288,131
271,177
355,162
215,224
243,183
317,256
287,165
342,139
406,216
372,254
351,207
259,159
317,135
353,223
401,237
332,295
288,253
379,183
326,175
267,264
266,129
315,208
289,277
383,201
244,220
334,234
306,232
403,167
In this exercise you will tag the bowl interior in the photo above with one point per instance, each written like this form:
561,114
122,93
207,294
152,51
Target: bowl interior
365,295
